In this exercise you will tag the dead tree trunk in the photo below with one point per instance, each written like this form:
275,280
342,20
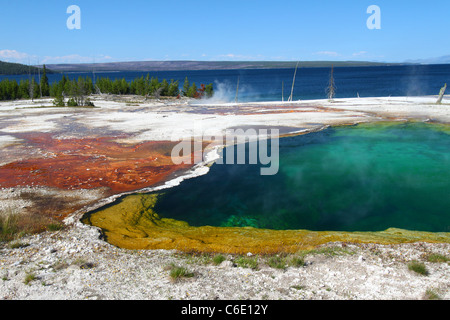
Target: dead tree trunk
293,83
441,94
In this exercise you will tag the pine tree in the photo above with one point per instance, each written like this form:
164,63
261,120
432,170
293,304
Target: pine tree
186,87
209,91
116,87
154,87
89,86
35,89
192,92
44,83
62,84
14,90
173,90
59,100
148,85
140,86
24,93
165,88
124,87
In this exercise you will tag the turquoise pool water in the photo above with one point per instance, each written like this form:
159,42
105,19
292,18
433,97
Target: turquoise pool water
367,177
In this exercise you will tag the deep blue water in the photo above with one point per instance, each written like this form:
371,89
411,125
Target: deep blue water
310,83
368,177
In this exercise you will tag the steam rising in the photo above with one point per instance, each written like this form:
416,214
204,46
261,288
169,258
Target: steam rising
225,92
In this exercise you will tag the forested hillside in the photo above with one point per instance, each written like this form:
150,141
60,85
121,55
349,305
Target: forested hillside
8,68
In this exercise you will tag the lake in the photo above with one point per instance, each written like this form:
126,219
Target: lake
310,83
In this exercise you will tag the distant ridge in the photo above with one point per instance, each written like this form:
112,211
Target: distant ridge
9,68
203,65
438,60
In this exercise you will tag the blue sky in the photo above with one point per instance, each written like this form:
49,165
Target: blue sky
135,30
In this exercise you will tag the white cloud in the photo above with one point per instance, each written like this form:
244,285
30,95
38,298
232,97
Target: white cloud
26,58
15,56
229,55
233,56
360,53
328,53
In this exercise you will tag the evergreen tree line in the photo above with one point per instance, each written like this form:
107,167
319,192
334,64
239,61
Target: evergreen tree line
25,89
77,90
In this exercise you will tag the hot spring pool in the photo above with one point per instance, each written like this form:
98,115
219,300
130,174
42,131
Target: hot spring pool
367,177
384,182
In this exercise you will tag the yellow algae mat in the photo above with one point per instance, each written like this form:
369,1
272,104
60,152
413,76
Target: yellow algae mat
131,223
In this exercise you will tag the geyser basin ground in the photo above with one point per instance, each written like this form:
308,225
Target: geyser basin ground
344,184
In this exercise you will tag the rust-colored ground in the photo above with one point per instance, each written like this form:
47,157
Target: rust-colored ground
91,163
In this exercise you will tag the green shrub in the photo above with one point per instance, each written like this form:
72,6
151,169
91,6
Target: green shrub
18,245
54,226
8,226
16,225
436,257
218,259
177,272
72,103
247,262
296,261
59,101
277,262
430,294
29,277
418,267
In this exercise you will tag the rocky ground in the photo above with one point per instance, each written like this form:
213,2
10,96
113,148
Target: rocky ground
75,264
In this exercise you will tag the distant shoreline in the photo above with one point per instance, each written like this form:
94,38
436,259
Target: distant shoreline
145,66
181,65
